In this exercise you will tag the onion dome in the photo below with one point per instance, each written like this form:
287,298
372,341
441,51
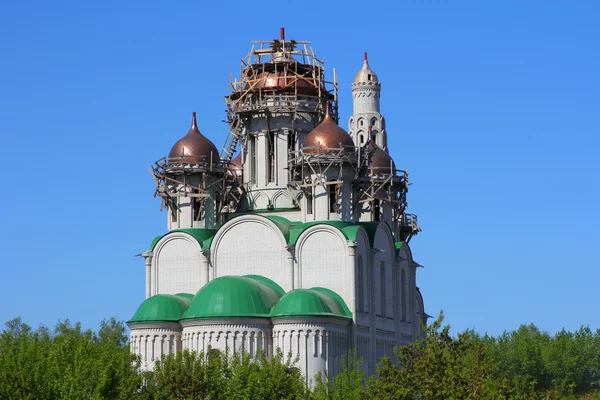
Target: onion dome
234,296
379,160
365,74
327,137
194,147
308,303
161,308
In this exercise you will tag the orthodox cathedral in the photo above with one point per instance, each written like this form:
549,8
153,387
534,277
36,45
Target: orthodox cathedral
294,236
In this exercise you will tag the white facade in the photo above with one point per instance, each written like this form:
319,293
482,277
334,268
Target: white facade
299,239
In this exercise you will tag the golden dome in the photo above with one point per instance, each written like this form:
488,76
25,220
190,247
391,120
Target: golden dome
327,137
194,147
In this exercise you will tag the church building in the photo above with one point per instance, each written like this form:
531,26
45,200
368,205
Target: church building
294,236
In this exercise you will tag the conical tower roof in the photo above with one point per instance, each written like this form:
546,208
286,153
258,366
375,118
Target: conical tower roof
365,74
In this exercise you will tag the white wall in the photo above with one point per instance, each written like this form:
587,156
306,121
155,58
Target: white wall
178,265
318,343
151,341
250,335
323,261
252,244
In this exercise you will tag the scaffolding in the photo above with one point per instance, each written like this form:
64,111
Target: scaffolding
276,77
173,178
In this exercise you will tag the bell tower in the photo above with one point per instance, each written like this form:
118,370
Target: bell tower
366,90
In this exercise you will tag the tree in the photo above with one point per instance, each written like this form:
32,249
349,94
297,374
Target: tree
436,367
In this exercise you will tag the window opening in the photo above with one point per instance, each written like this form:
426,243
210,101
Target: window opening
196,207
382,276
332,198
361,285
403,293
252,159
271,151
376,210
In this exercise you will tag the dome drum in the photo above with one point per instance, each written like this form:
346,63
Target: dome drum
283,75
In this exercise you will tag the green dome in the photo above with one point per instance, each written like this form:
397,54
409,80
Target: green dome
186,296
233,296
160,308
308,303
336,297
274,286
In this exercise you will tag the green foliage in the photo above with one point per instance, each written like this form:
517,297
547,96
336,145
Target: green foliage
68,364
188,375
72,363
348,384
437,367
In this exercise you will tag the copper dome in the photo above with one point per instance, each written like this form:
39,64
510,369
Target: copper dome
194,147
327,137
379,160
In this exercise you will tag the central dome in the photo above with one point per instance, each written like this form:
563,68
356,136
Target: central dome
328,137
194,147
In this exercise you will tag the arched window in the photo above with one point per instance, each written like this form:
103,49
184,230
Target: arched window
360,281
376,210
382,292
403,294
271,153
332,197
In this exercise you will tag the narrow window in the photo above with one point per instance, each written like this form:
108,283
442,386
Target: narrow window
309,202
332,197
173,210
403,294
252,160
376,210
360,301
271,152
382,276
196,207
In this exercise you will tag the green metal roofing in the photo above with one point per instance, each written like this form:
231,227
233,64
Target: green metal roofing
274,286
186,296
307,303
336,297
398,245
292,230
233,296
160,308
203,236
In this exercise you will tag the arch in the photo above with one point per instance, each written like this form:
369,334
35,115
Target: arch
260,201
178,265
283,199
382,272
322,256
235,252
403,295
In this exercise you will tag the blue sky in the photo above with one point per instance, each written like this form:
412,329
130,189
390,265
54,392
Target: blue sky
493,107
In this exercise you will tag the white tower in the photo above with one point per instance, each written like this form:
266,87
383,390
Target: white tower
366,91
